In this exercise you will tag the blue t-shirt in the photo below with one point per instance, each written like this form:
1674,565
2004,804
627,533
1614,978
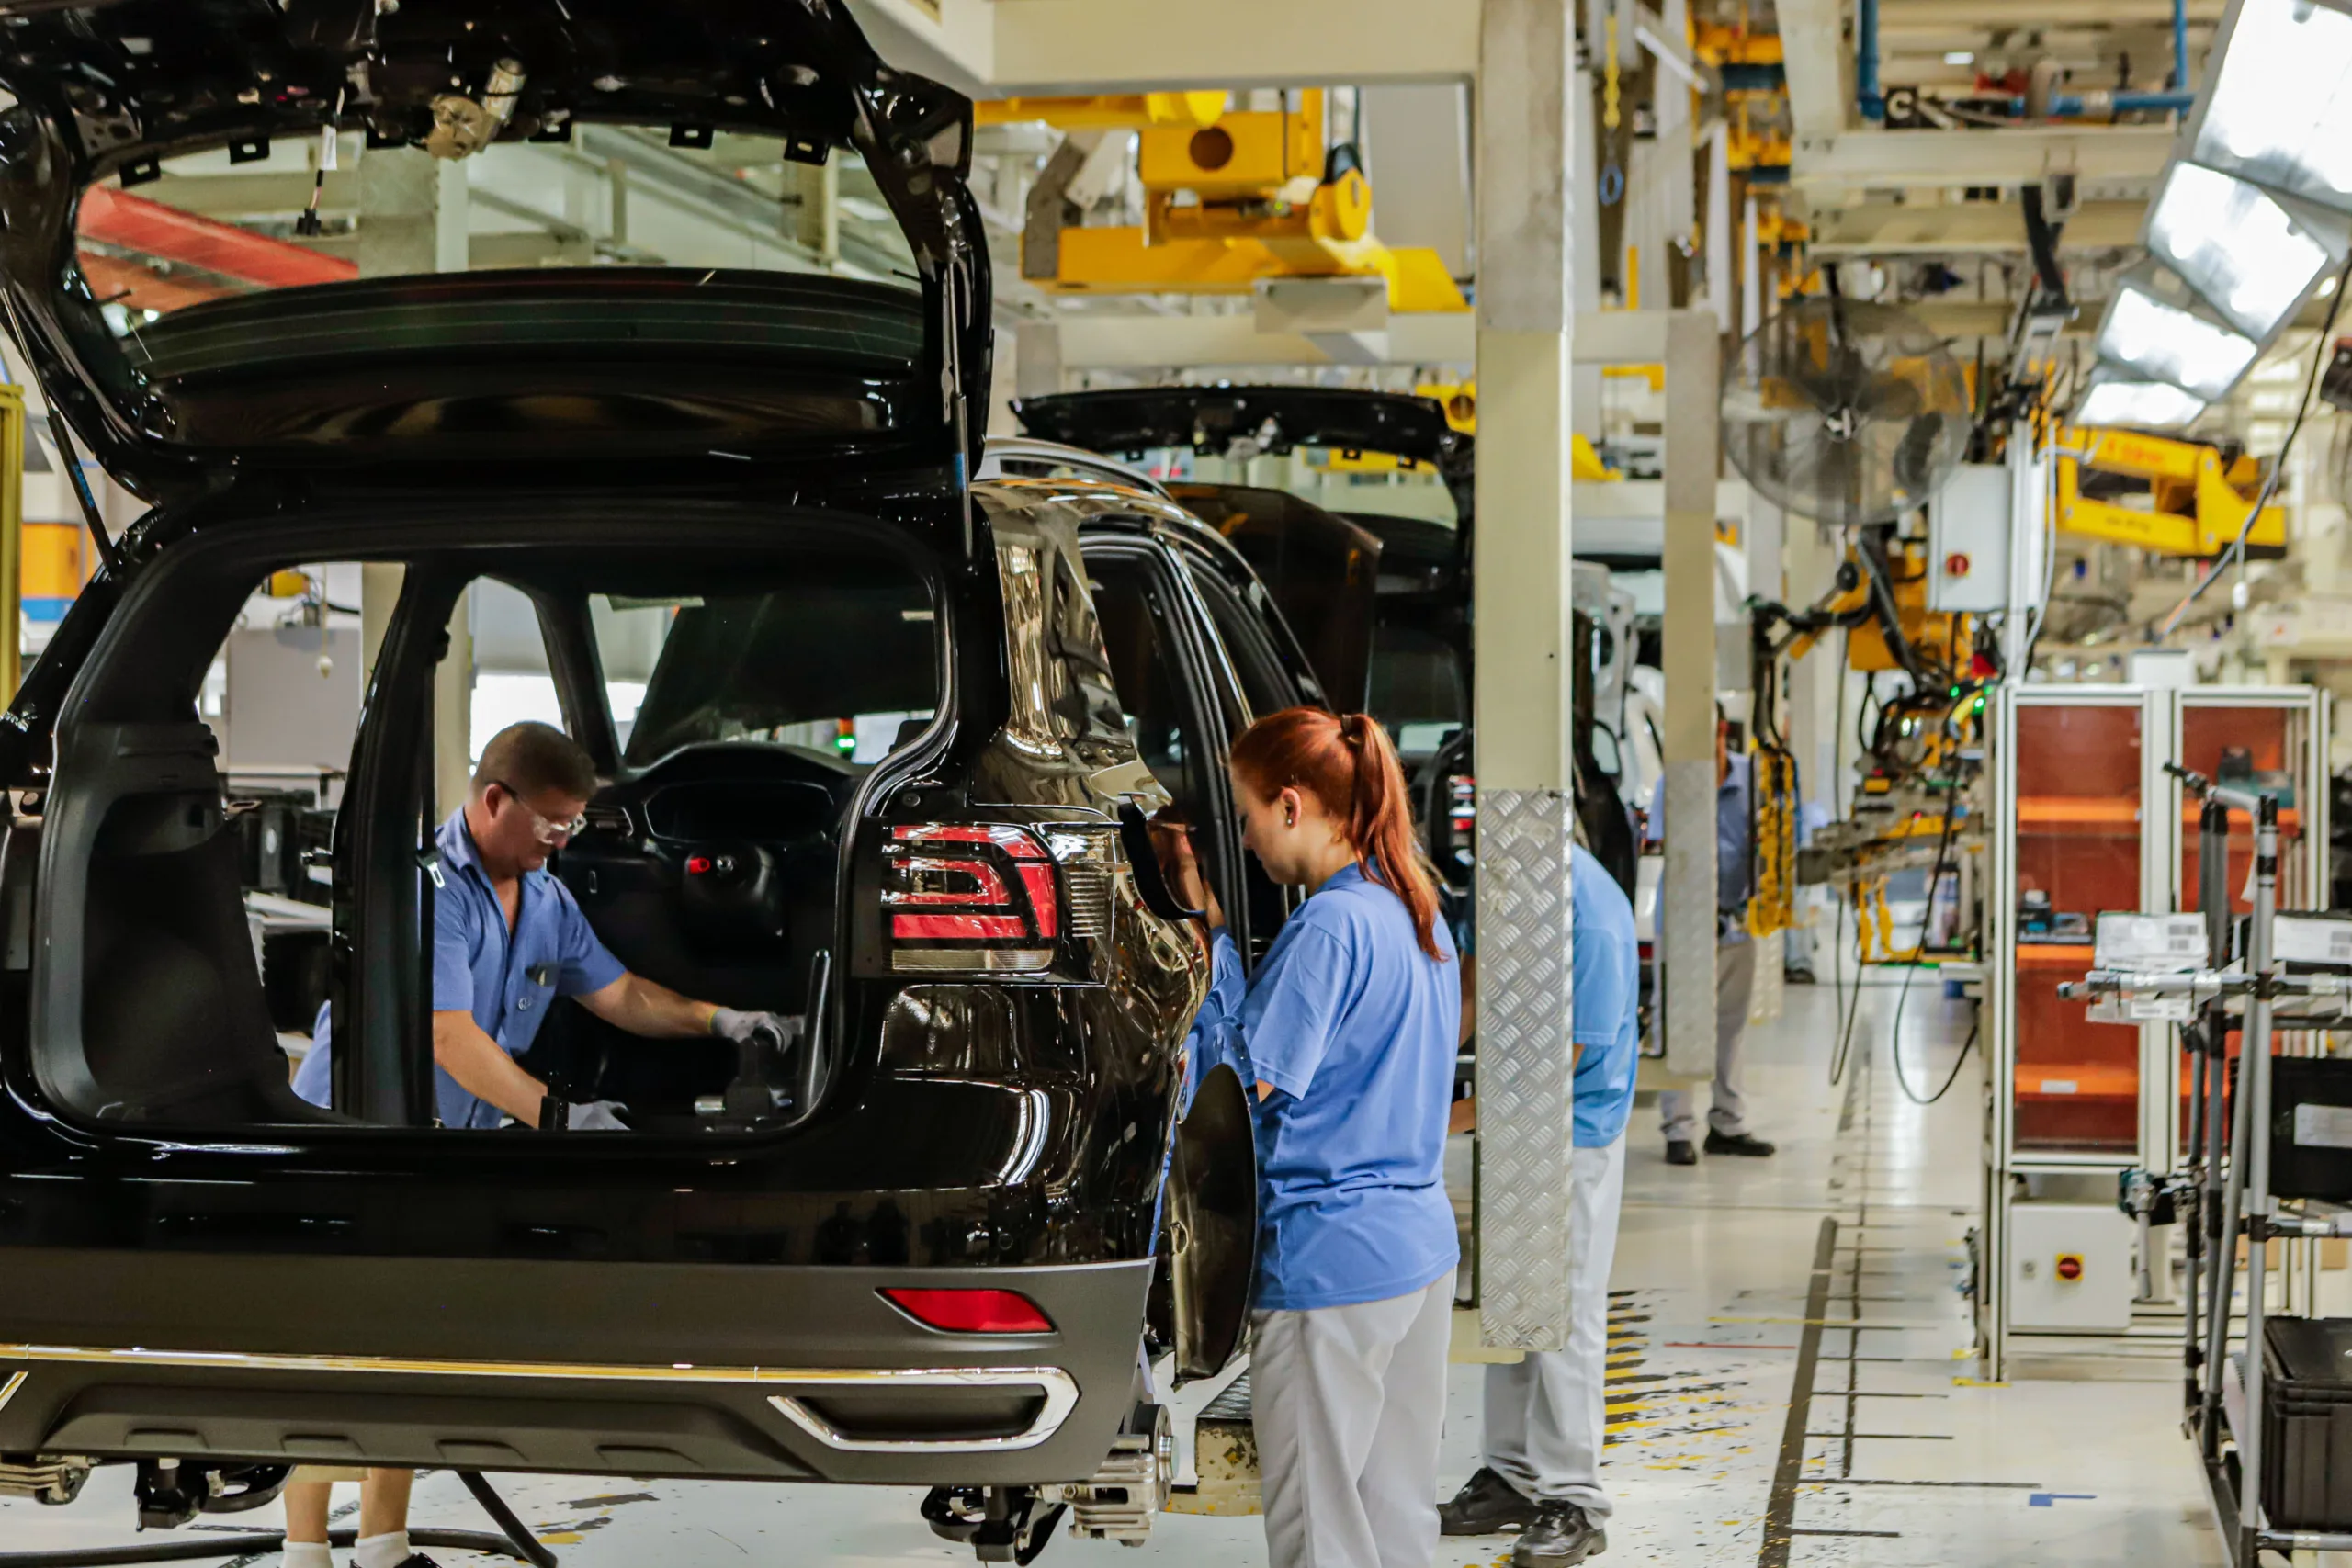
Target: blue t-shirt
1355,1027
507,986
1605,1015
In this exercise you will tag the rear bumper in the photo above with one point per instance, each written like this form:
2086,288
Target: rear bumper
846,1389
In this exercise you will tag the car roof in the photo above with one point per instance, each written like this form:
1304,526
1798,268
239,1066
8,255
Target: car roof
1021,457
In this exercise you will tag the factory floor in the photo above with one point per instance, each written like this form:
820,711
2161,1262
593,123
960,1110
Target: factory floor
1895,1453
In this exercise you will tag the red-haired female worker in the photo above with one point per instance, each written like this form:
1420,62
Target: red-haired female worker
1349,1028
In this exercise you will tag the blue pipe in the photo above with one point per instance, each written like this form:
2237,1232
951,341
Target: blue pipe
2180,46
1872,101
2075,106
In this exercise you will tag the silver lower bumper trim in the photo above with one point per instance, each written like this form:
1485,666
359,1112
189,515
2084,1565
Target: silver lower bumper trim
1059,1390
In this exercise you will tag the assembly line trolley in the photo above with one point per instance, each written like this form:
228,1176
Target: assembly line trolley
2225,1191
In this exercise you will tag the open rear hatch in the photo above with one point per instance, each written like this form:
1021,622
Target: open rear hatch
1320,552
369,285
1214,419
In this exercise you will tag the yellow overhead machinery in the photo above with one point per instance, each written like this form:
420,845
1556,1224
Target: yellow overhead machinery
1229,200
2195,503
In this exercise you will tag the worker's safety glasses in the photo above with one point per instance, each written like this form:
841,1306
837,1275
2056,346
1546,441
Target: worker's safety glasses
546,832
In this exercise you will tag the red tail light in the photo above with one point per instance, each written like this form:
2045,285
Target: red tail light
969,896
972,1312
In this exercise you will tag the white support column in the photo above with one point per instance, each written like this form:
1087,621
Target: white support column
1524,687
1813,683
1584,246
1687,947
1720,298
1037,359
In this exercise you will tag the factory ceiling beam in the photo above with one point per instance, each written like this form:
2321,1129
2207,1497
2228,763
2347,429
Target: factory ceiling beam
1046,48
1866,159
1973,228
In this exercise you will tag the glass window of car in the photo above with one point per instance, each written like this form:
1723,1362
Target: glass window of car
611,195
840,667
1417,688
1265,686
1131,601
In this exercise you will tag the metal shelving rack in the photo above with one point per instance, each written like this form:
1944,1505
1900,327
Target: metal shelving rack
2231,1198
2084,811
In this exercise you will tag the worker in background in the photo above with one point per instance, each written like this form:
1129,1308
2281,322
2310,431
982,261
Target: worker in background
1349,1029
1727,1131
507,940
1545,1414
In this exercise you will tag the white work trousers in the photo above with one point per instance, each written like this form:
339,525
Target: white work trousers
1349,1403
1734,988
1545,1414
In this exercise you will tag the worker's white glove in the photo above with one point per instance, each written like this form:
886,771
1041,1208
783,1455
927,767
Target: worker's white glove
728,1024
596,1116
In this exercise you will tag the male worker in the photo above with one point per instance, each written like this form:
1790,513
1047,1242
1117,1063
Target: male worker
507,940
1544,1413
1727,1131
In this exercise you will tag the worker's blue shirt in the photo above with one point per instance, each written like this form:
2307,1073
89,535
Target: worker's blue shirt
1355,1027
1605,1019
1735,837
507,985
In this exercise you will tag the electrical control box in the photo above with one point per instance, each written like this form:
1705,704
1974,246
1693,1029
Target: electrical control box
1968,541
2070,1268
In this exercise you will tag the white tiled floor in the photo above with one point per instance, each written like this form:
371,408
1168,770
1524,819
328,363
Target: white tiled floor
1906,1461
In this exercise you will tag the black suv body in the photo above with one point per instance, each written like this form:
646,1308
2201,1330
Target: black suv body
1395,467
993,987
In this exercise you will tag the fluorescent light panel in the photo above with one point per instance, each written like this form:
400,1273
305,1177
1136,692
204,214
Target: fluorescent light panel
2236,246
2164,343
2281,106
2142,405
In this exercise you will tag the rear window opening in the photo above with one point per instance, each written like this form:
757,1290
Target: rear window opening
228,815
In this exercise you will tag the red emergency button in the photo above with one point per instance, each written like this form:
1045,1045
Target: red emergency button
2070,1266
697,865
1956,564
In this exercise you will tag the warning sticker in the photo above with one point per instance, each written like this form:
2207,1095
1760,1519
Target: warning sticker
2151,944
2323,1126
2311,939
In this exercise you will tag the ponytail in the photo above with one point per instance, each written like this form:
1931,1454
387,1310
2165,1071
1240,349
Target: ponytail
1347,763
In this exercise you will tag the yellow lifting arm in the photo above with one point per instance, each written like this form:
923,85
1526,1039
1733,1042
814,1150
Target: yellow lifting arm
1229,204
2196,504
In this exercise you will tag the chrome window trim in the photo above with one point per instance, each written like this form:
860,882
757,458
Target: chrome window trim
1059,1389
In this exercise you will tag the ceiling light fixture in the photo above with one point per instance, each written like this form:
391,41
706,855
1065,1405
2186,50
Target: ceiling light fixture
2280,109
2161,342
2252,258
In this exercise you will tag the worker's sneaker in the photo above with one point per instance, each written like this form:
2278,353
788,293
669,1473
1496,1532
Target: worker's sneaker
1560,1535
1747,1143
1680,1151
1486,1505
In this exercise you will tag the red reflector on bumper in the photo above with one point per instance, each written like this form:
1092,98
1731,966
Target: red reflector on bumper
971,1311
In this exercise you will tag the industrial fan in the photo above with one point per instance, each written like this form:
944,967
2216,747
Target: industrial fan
1844,410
